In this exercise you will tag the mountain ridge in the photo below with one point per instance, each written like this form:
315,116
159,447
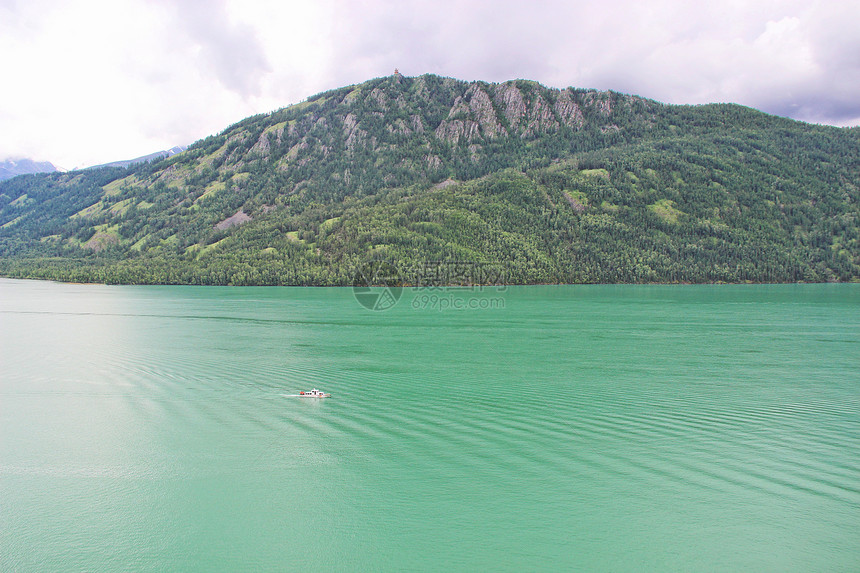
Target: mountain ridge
610,187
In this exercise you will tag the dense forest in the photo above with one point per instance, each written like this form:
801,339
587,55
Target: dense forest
542,185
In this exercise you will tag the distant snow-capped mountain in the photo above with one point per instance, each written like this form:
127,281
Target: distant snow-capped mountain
14,167
157,155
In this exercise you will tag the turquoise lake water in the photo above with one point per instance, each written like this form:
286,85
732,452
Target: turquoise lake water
593,428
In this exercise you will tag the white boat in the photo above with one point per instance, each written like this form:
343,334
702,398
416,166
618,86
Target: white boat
314,394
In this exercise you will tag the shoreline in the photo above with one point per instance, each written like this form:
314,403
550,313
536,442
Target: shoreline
441,286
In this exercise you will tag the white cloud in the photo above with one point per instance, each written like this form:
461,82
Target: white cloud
89,81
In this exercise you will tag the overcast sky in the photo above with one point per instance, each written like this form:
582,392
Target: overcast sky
86,82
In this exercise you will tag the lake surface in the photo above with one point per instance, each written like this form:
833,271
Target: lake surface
604,428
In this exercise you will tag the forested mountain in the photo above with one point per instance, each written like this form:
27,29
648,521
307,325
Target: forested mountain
547,185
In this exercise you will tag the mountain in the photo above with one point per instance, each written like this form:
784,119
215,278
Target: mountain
144,158
529,183
14,167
